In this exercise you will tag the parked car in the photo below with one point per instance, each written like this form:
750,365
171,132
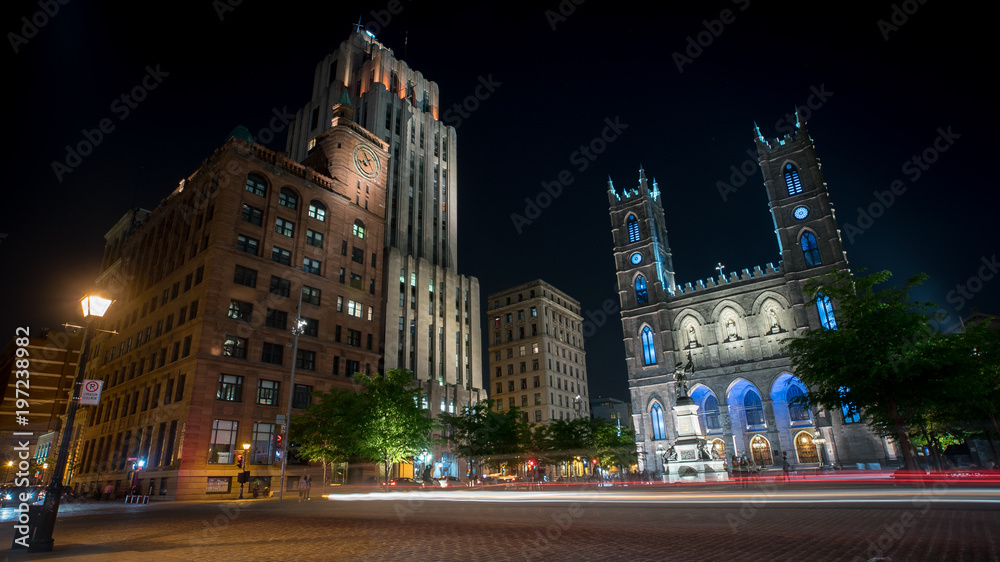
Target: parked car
11,495
405,483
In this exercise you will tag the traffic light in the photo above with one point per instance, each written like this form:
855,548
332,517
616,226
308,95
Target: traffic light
239,460
595,461
277,441
531,463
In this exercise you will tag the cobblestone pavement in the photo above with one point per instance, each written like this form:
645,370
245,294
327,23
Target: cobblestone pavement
745,525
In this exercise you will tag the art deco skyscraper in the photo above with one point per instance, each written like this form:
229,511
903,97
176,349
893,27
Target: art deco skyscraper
431,314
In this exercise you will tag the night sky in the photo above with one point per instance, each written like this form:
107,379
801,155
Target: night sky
685,87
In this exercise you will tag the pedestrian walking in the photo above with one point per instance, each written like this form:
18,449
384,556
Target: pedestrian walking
302,487
785,467
109,490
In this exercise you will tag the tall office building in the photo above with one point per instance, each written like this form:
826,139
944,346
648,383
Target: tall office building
536,353
431,312
197,371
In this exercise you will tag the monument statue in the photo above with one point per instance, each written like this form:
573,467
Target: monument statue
681,375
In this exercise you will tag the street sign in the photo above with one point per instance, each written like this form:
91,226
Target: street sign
280,419
90,392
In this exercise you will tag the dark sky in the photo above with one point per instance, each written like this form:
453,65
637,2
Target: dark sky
883,101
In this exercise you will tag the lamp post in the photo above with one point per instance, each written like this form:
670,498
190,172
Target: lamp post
6,471
298,328
243,467
818,440
93,307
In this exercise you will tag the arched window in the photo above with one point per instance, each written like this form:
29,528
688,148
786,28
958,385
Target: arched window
805,449
288,198
798,408
633,229
656,413
754,409
256,184
810,250
359,228
792,180
825,307
641,297
648,351
711,409
317,210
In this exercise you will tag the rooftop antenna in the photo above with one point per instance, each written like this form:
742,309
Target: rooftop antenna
406,40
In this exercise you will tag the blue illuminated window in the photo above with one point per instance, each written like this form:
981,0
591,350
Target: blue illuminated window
810,250
798,409
648,351
712,413
659,432
825,307
754,409
641,297
633,229
850,411
792,180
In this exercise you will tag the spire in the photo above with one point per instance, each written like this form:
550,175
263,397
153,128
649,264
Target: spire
756,129
656,190
344,98
612,195
642,178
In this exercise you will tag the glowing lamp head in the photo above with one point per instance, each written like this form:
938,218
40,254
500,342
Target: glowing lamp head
141,463
246,446
95,305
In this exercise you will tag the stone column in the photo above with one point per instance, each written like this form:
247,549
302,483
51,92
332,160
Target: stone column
772,432
727,431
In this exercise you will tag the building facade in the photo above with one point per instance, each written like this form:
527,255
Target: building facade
729,329
616,412
431,311
537,360
208,286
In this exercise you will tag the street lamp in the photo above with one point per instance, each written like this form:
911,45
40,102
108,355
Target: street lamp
94,306
243,467
298,328
6,472
819,440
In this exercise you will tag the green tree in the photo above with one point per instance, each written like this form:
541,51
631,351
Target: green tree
391,426
326,431
883,359
485,436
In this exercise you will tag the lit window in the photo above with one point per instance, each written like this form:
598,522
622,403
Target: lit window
711,409
754,409
235,347
288,198
230,388
798,408
256,184
633,229
825,308
656,413
641,297
792,180
359,228
648,350
285,227
223,443
354,308
240,310
810,250
317,211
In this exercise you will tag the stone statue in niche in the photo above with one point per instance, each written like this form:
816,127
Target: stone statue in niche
772,316
692,337
731,334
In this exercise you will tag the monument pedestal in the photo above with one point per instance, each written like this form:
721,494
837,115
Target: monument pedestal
690,459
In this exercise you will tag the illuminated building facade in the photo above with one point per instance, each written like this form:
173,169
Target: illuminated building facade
537,360
208,285
729,329
431,312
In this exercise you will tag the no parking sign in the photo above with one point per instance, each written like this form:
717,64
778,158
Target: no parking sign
91,391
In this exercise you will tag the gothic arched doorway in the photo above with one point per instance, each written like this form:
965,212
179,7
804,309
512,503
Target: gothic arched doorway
719,448
805,448
760,448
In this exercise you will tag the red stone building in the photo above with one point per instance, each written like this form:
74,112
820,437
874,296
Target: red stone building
207,286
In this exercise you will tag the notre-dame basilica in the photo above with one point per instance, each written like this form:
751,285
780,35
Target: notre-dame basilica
730,328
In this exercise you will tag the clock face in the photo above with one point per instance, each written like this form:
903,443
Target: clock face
636,258
800,212
366,161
